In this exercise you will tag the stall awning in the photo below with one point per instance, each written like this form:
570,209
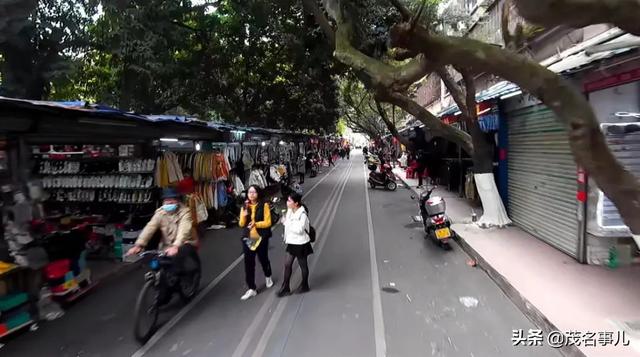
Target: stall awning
587,56
497,90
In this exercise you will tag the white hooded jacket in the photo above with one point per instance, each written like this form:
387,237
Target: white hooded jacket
296,226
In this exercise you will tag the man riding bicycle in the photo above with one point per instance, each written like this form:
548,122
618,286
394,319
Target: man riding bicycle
174,221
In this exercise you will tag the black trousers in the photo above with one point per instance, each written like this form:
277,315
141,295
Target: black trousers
301,177
250,262
187,259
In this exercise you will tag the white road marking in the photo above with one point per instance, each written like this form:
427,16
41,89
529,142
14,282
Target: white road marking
281,307
378,318
250,332
185,310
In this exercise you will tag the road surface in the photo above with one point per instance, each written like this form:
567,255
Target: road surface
378,289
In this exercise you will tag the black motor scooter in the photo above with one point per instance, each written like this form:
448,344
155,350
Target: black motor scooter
386,178
437,224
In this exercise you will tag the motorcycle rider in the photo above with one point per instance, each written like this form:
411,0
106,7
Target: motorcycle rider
179,239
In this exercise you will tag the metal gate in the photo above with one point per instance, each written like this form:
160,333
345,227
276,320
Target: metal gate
542,178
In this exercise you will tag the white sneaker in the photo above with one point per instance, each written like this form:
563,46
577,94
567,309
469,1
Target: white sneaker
269,282
249,294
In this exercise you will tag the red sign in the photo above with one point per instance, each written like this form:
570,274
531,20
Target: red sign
613,81
582,176
450,119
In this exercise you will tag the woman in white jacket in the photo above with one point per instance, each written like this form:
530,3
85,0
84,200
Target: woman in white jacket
296,236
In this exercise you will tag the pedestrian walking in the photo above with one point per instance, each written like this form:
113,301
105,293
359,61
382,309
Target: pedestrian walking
296,237
348,150
255,218
422,166
301,169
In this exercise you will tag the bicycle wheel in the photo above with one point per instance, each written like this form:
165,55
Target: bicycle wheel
146,312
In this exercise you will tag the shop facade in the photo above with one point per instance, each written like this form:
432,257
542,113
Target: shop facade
541,175
80,183
615,98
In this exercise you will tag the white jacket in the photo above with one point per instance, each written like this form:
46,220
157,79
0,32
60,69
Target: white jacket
296,226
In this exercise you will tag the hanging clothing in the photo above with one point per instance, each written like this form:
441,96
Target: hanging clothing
238,186
220,168
168,170
274,174
257,178
222,194
247,160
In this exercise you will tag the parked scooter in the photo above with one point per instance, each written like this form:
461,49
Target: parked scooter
386,178
372,161
436,223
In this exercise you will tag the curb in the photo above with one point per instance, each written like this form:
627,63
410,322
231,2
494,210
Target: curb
529,310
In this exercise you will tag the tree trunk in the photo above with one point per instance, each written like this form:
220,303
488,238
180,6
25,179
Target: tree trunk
495,215
587,142
21,77
494,212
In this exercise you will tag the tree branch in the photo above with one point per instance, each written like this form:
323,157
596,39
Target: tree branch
435,125
457,93
406,14
185,26
401,54
391,126
379,73
312,7
587,142
581,13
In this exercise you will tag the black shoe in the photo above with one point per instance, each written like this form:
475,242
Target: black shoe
284,292
303,289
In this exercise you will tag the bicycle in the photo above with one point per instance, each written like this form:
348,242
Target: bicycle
161,282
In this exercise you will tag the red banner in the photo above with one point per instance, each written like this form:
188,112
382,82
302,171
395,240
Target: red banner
613,81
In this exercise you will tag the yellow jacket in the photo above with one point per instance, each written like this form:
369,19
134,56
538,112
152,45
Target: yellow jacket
264,224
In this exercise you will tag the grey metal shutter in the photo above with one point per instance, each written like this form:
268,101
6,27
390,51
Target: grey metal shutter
625,145
542,178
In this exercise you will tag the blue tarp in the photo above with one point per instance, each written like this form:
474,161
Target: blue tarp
102,111
495,91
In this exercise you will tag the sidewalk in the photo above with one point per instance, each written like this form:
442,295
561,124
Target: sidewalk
551,288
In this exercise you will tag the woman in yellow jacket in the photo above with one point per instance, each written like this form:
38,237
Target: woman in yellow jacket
255,218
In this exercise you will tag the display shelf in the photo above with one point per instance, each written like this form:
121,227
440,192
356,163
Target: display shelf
14,269
17,328
83,159
79,293
98,174
101,188
103,202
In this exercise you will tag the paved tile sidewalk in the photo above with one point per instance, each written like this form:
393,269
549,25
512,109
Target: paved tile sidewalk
551,288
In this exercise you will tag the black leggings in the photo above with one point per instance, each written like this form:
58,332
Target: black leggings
250,262
288,270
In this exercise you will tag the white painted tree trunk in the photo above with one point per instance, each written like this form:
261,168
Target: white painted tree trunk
636,238
495,215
